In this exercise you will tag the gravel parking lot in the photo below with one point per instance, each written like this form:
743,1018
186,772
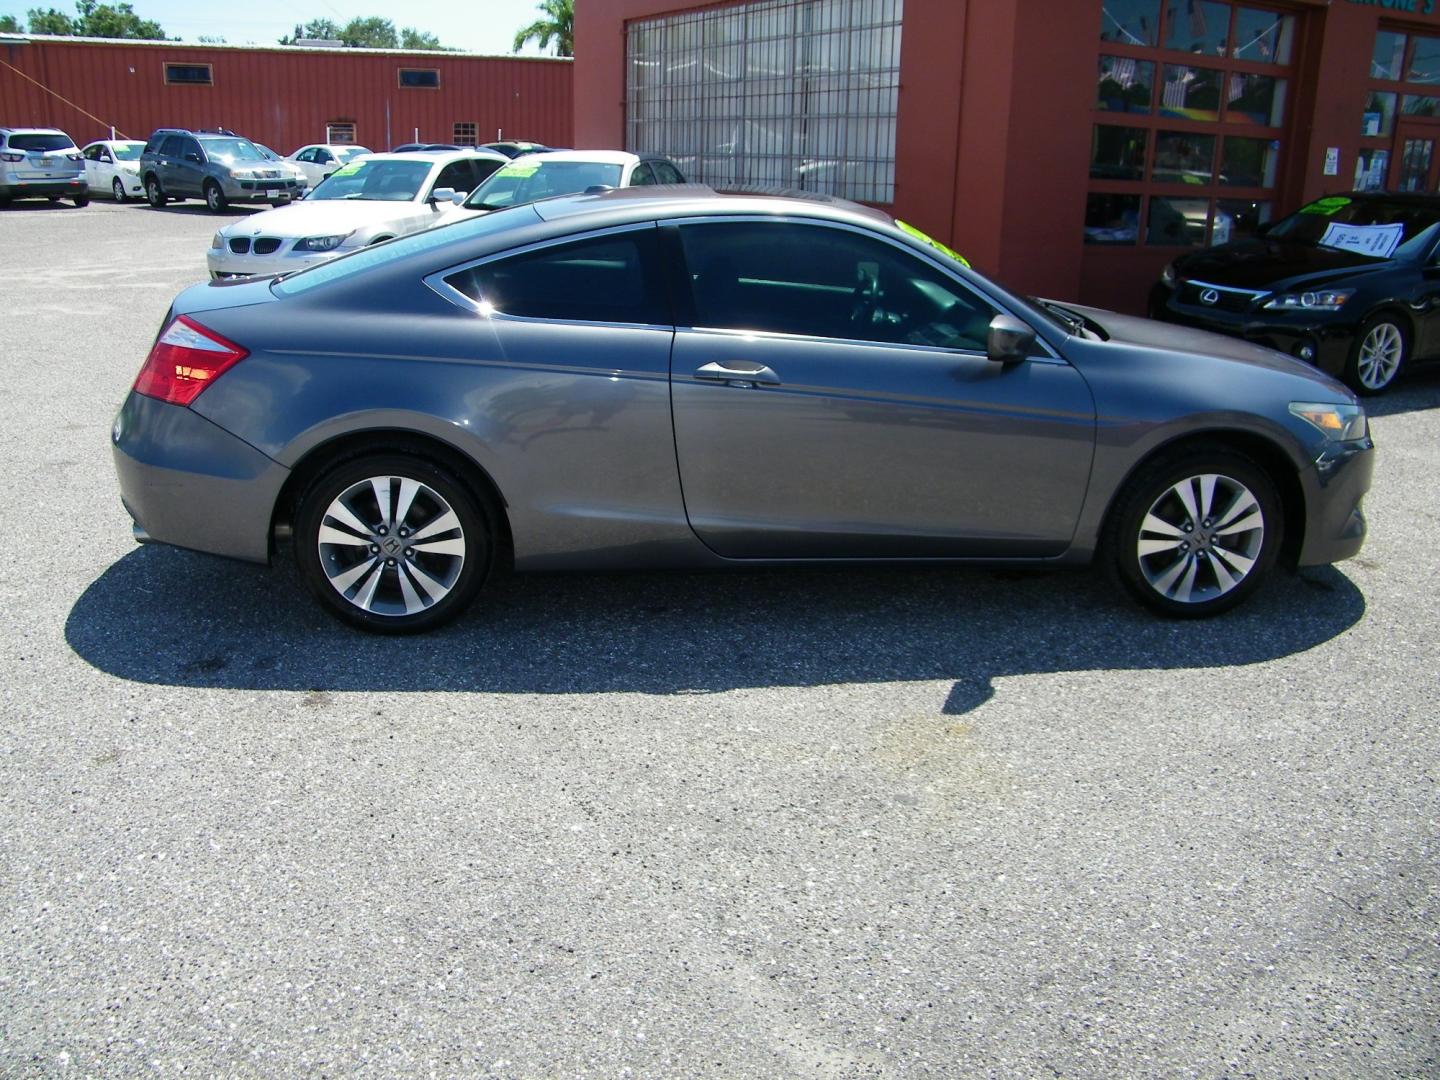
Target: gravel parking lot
842,824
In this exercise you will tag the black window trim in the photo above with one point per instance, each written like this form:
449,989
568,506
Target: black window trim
402,85
446,291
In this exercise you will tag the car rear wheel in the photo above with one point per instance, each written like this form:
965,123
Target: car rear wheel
1195,533
215,198
392,543
119,189
83,199
1380,350
153,193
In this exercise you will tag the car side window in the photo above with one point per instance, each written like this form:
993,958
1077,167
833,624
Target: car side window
190,146
642,175
306,156
92,153
820,281
665,173
103,155
456,175
322,157
609,279
483,168
171,146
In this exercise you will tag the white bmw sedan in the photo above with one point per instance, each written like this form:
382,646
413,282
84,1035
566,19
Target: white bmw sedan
363,202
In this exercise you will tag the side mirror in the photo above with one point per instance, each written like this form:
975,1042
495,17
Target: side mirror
193,157
1009,340
442,194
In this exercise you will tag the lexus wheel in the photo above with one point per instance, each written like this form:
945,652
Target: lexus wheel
392,543
1380,350
1194,534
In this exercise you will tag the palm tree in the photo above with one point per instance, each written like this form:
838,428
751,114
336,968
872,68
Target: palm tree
558,26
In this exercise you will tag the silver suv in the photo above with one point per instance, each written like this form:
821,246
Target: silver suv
217,166
40,163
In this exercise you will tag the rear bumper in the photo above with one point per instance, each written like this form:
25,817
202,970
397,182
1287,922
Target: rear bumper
35,189
187,482
1334,487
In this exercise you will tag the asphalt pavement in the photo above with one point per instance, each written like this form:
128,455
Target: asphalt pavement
879,823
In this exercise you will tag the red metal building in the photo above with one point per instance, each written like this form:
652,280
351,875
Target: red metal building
1070,147
283,96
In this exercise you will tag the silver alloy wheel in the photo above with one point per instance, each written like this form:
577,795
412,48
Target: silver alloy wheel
391,545
1201,538
1380,355
212,197
119,189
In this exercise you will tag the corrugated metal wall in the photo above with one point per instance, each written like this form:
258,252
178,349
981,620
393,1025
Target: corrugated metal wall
282,97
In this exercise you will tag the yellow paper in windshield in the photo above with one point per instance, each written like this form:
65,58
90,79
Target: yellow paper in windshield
347,170
1333,205
910,230
519,169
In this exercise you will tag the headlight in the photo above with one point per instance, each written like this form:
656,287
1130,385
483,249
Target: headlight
1320,300
218,241
1167,276
321,243
1338,423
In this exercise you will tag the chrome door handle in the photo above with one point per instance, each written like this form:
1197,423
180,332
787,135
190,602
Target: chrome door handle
738,373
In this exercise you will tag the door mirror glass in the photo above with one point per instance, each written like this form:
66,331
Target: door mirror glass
1009,340
192,156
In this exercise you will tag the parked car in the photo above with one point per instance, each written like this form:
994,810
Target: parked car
40,163
513,148
220,168
564,172
371,199
318,160
299,175
1347,283
674,378
112,167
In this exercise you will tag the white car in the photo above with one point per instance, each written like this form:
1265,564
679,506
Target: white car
319,160
563,172
112,167
364,202
289,167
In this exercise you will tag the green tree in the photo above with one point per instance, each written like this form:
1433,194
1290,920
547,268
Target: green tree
371,33
94,19
410,38
325,29
9,24
558,25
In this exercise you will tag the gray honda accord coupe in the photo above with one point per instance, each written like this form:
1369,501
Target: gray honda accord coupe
673,378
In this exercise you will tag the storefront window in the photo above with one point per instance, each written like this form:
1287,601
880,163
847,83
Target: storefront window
1126,85
1370,170
1131,22
1389,56
1424,61
1420,105
1189,120
1379,116
1415,155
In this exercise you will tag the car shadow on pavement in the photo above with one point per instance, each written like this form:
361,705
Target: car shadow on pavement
1411,392
165,616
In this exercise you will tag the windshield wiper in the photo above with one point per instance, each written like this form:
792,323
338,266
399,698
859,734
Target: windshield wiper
1074,323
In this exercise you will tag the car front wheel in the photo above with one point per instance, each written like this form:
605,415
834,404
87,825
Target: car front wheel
392,543
118,188
1379,351
215,198
1195,533
153,193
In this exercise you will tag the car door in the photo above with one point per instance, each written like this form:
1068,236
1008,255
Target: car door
95,178
189,167
833,398
642,176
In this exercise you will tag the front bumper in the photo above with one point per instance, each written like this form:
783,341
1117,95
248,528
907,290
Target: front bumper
36,189
130,181
1334,487
264,191
1328,341
187,482
224,263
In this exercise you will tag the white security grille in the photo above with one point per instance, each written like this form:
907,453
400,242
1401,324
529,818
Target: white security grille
776,93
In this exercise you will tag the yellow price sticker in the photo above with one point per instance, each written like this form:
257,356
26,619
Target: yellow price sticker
347,170
519,169
910,230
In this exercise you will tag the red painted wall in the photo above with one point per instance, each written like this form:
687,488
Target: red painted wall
279,96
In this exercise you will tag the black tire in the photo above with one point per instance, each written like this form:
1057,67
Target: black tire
154,193
1377,354
117,188
81,200
54,200
215,199
1194,568
397,588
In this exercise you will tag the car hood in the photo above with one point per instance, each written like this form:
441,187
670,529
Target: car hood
1274,265
323,218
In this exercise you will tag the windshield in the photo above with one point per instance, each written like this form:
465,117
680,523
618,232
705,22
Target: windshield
1378,228
351,152
266,152
232,150
524,181
40,142
128,151
392,181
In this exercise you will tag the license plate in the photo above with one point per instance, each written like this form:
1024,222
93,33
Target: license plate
45,162
274,196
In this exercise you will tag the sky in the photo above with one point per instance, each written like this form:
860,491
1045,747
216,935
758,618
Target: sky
484,26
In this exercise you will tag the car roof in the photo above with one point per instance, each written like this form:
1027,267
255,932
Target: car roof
440,157
32,131
624,205
600,157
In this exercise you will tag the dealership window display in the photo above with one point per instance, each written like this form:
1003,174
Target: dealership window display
1400,122
1190,119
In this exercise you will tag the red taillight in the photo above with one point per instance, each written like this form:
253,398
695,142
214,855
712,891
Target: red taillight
185,360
